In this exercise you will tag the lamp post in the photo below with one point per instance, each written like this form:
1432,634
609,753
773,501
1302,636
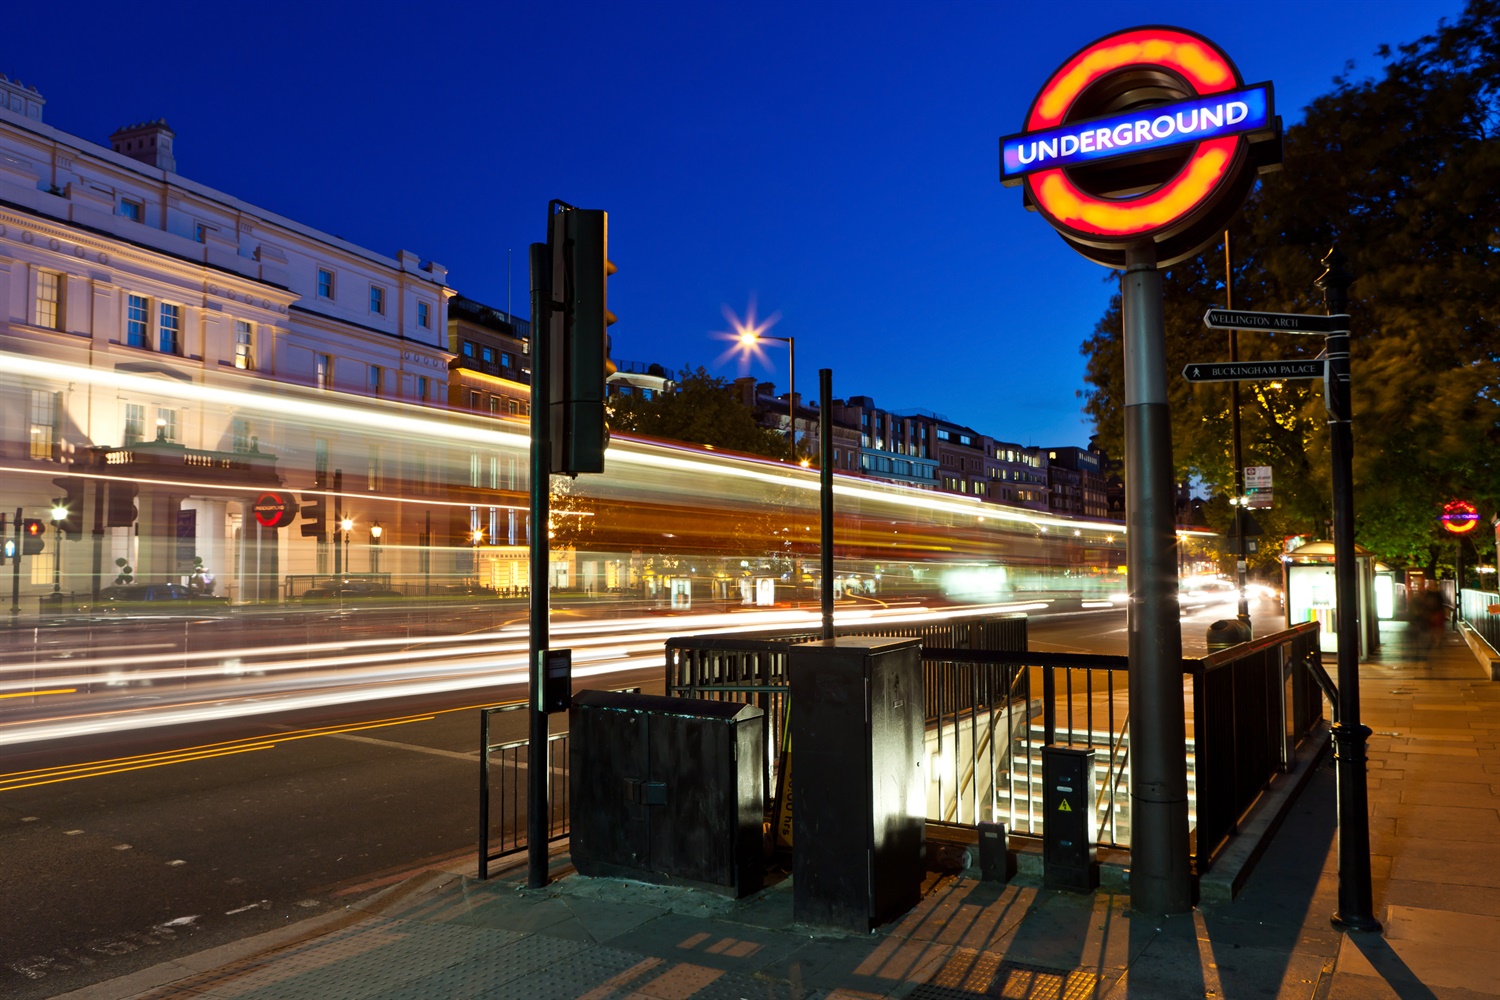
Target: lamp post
476,536
375,532
59,514
749,336
345,526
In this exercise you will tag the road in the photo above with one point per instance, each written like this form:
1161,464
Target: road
131,846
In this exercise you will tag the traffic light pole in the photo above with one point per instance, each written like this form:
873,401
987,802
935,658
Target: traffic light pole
825,493
538,811
15,571
1350,737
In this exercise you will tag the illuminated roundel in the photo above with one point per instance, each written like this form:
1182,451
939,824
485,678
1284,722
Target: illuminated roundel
1146,134
1460,517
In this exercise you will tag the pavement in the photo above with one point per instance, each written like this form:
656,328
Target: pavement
1261,931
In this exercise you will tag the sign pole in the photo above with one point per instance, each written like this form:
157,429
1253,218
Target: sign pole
1239,460
1356,904
538,767
825,493
1159,881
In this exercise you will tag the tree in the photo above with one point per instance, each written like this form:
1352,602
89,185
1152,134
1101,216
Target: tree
703,410
1401,173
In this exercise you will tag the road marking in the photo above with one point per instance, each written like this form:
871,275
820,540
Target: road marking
467,758
38,694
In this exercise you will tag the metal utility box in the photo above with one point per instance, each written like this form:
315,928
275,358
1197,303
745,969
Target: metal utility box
995,862
667,790
1071,827
859,804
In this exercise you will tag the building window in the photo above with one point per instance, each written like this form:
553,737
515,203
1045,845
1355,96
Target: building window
49,300
424,315
244,344
513,407
135,424
170,334
374,467
325,283
506,360
132,210
320,460
241,434
324,370
468,348
375,376
200,232
487,355
422,388
166,424
137,321
474,400
474,469
495,405
43,423
377,300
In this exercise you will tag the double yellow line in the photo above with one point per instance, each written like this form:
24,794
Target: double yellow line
17,780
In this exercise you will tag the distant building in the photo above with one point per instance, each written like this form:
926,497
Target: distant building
885,445
1075,482
491,367
635,378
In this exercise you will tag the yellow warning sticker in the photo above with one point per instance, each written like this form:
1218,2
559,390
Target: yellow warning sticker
1064,807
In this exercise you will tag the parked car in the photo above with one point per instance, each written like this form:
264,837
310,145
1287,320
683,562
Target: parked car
155,597
349,589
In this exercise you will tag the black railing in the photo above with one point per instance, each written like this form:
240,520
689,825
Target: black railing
990,709
502,790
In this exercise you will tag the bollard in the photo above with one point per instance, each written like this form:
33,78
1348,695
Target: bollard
1223,634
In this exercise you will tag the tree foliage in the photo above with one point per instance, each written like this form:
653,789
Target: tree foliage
703,410
1402,172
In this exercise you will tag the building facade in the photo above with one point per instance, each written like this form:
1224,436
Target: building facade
180,298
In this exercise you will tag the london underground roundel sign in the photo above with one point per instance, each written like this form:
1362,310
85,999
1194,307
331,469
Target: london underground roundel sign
275,509
1460,517
1148,134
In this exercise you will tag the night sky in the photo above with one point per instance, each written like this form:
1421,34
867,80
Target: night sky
833,163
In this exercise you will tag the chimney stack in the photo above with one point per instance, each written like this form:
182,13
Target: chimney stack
149,142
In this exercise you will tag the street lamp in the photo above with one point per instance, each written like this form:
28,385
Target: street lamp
59,514
375,532
476,536
346,526
749,336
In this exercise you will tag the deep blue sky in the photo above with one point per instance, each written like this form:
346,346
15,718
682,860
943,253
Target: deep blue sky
834,161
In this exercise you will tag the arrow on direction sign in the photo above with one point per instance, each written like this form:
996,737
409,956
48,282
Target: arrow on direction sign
1234,319
1246,371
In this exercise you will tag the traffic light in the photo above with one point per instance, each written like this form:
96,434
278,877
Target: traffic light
119,512
578,358
33,536
72,501
314,515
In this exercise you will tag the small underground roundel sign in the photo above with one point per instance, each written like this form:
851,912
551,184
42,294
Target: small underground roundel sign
1460,517
1148,134
275,510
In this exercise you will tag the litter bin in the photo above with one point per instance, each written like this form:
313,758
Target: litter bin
1230,632
667,790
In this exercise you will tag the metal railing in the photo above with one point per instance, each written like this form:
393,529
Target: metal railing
990,710
1474,608
507,834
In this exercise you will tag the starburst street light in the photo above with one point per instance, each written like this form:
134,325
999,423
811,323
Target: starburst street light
747,335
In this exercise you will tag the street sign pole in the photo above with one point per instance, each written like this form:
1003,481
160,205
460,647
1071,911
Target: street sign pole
1159,880
1356,905
1238,457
